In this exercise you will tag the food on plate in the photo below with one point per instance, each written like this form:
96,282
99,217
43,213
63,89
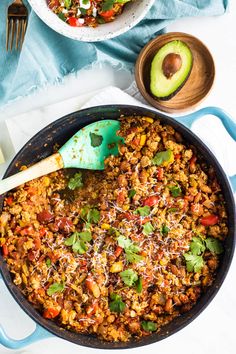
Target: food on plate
170,69
120,252
80,13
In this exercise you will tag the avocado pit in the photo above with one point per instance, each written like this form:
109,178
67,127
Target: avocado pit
172,63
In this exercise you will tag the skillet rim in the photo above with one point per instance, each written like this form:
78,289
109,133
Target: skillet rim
185,319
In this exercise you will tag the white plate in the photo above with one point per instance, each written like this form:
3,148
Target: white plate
133,13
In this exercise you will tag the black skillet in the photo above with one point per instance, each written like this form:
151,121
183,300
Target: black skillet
41,146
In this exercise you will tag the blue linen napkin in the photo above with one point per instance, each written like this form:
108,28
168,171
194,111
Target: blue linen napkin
46,56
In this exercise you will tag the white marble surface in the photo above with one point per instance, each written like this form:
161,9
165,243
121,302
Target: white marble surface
214,330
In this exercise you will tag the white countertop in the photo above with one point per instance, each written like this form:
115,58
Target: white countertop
214,330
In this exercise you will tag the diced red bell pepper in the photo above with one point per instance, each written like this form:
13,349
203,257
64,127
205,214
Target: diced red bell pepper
118,251
151,201
177,156
9,200
209,220
42,231
51,313
107,14
192,161
4,250
73,21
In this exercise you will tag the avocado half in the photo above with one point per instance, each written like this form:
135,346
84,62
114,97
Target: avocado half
170,69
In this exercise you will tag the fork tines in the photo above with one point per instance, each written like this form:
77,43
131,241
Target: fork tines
16,26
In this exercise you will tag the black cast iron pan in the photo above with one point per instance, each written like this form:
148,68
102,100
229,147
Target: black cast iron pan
41,146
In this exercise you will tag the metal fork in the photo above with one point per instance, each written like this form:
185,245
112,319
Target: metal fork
17,16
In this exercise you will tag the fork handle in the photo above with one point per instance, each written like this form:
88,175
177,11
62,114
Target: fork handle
48,165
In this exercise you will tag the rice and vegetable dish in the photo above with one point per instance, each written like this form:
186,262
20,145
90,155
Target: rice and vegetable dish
120,252
80,13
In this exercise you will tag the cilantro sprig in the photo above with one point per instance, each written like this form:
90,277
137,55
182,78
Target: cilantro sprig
143,211
194,259
149,326
107,5
91,215
75,181
131,249
116,305
130,278
55,288
78,241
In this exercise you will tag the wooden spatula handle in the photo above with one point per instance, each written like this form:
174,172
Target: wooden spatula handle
48,165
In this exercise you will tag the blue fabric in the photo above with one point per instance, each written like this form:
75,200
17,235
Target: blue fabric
47,57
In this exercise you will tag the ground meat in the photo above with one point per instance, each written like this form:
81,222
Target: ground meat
115,253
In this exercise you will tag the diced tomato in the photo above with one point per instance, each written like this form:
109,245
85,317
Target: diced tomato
177,156
45,216
118,251
189,198
37,243
9,200
53,256
192,161
136,141
4,250
92,309
128,216
27,231
144,221
73,21
64,224
151,201
32,255
42,231
51,313
160,174
31,190
209,220
107,14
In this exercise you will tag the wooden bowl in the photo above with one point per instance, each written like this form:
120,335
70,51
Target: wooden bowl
198,84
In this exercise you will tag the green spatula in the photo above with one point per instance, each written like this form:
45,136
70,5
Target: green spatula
87,149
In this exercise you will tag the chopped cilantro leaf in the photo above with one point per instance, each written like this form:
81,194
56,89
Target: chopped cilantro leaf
149,326
161,157
143,211
175,191
139,285
55,288
164,229
197,246
194,263
107,5
116,305
78,241
129,277
132,193
214,245
148,228
76,181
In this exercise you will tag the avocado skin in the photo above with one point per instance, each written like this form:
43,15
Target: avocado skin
168,97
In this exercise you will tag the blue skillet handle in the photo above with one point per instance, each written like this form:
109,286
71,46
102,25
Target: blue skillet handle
228,122
38,334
